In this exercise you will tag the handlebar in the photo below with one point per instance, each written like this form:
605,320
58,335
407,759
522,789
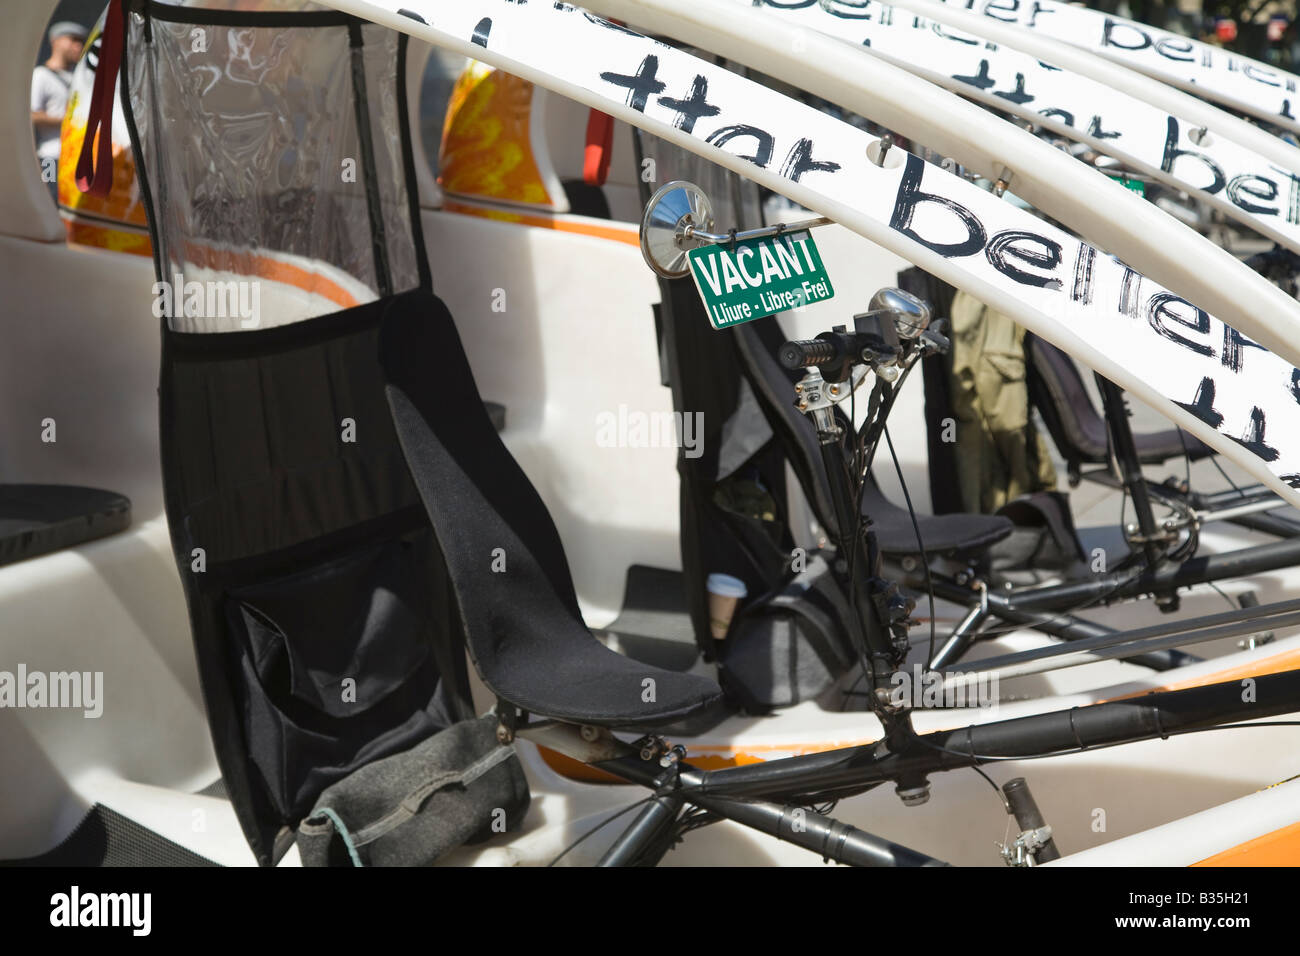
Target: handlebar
805,353
838,346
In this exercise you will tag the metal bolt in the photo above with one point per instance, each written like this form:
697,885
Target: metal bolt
673,756
589,733
886,143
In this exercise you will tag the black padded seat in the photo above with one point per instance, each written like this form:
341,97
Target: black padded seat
951,534
41,519
1077,428
523,627
773,384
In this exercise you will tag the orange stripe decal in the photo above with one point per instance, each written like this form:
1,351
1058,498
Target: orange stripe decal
274,269
1277,664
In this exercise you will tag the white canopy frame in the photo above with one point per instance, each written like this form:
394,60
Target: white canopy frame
1140,335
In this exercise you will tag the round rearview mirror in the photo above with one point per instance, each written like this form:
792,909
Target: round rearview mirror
671,209
911,315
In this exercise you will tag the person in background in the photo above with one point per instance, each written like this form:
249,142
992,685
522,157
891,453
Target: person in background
51,81
1002,455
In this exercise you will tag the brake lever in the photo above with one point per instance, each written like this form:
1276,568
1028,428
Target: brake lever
934,343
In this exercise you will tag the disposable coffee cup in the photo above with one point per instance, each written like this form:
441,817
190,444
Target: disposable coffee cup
725,593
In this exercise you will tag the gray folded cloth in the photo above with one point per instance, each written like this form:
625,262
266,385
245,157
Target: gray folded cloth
409,809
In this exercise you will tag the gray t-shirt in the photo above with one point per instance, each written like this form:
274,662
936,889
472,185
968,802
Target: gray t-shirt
49,95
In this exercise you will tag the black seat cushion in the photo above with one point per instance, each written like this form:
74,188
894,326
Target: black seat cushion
508,570
1074,422
959,533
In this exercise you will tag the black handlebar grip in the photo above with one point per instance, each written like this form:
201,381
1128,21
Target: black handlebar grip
808,352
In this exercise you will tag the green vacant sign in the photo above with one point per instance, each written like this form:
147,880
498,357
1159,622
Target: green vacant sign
757,277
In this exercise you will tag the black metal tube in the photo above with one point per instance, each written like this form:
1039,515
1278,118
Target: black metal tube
1125,454
1268,523
1005,606
800,826
1062,731
1242,562
961,638
878,644
1068,594
1229,497
1210,627
1062,625
649,823
830,838
1028,817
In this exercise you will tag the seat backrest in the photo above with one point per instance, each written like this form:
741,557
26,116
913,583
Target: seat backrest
507,566
473,481
758,344
1057,390
318,598
275,164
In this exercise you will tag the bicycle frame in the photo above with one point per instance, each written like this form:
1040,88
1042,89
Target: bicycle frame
772,797
1161,578
768,796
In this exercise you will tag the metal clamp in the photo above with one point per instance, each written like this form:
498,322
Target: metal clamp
815,393
1021,851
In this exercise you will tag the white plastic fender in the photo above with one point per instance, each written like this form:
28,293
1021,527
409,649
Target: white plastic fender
1170,148
1204,375
1239,82
1107,214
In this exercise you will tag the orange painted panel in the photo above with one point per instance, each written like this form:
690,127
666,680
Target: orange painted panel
486,138
1279,848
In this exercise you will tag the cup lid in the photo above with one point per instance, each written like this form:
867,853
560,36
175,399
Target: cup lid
724,585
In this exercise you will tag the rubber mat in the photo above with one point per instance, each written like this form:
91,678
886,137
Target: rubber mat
40,519
106,838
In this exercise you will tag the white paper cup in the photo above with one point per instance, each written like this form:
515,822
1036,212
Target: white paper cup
725,592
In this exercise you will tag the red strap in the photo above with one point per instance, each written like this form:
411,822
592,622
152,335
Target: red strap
95,164
600,143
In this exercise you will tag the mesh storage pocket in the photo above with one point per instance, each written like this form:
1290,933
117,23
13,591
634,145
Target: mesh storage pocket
337,667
